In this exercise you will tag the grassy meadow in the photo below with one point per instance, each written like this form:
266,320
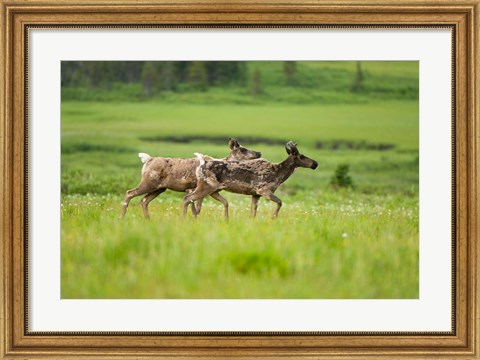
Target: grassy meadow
329,242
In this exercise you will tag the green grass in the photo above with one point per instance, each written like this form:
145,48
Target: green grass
303,254
336,245
100,141
394,122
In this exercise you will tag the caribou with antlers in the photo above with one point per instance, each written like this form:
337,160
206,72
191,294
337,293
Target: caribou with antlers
254,177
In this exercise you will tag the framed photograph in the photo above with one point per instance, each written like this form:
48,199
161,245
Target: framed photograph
240,179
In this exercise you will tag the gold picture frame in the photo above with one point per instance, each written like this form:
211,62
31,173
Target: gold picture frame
463,341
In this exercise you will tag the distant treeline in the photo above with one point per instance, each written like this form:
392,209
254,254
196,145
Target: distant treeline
238,81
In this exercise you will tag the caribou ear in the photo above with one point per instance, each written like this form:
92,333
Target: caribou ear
233,143
291,148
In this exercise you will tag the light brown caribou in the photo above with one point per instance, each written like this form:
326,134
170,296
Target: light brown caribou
177,174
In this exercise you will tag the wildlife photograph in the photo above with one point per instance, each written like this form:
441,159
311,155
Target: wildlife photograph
239,180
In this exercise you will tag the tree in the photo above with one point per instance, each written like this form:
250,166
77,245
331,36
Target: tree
358,82
71,73
148,75
133,71
167,79
256,83
289,69
225,72
197,75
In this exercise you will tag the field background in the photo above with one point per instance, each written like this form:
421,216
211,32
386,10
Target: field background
330,241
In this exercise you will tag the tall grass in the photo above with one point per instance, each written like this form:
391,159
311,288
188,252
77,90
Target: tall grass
343,246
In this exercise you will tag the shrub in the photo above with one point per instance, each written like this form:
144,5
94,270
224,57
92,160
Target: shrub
341,178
